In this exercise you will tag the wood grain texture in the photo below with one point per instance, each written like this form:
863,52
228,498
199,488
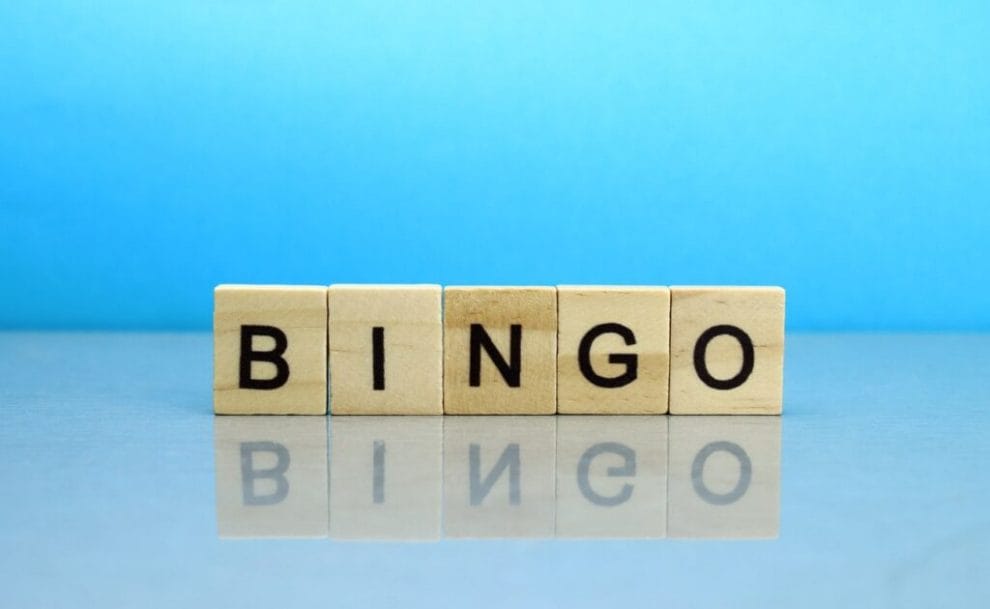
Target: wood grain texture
411,364
634,384
710,329
298,312
534,311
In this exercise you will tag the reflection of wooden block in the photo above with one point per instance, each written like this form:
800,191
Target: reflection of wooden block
612,476
385,477
498,476
724,479
271,476
386,349
500,350
613,350
270,350
726,350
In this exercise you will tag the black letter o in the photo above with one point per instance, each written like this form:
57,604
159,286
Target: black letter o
701,347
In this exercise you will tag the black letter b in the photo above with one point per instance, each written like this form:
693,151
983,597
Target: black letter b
248,355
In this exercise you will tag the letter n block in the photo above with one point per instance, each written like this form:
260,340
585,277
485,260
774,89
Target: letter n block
386,349
613,355
270,350
726,350
500,350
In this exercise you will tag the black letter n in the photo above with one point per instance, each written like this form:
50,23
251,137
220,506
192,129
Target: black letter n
509,371
248,355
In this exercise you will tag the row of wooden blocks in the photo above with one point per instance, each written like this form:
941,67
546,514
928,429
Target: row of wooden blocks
423,349
428,478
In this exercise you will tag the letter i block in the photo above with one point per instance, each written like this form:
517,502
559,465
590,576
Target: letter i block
270,350
726,350
386,349
500,350
613,355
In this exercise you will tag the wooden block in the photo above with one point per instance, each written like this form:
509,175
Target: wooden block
270,350
498,476
386,349
385,478
612,476
726,350
500,350
724,477
613,350
271,476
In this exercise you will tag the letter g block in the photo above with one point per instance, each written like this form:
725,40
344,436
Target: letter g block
270,350
613,350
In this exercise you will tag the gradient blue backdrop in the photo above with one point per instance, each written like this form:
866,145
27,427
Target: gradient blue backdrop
149,150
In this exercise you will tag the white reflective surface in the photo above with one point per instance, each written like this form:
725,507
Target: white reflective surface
122,489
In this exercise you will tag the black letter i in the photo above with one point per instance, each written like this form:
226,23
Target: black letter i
378,357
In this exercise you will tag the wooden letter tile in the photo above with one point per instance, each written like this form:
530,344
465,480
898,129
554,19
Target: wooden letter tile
500,350
726,350
270,350
386,349
613,350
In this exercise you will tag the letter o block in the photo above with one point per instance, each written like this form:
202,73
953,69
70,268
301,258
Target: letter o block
613,354
270,350
726,350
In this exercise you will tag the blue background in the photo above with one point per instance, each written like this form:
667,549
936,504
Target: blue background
149,150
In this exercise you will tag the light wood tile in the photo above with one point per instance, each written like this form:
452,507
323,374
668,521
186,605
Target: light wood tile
613,349
727,350
495,377
270,349
386,349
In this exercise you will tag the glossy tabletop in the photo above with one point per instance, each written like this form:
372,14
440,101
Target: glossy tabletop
120,488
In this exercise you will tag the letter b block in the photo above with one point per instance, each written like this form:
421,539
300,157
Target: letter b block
270,350
726,350
500,350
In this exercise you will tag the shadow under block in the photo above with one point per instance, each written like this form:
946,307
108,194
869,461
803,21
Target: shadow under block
385,477
498,476
613,350
724,479
270,350
386,349
726,350
612,476
271,476
500,350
